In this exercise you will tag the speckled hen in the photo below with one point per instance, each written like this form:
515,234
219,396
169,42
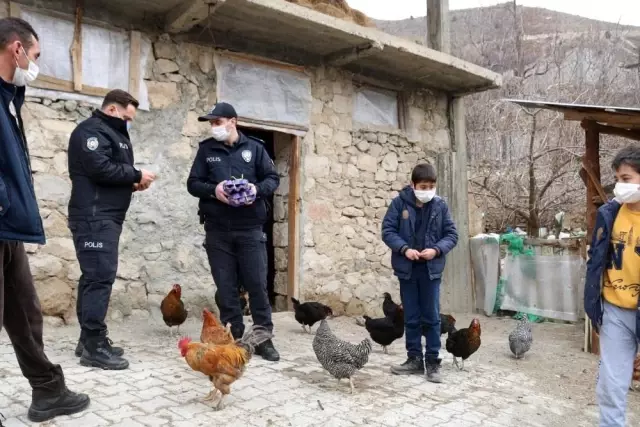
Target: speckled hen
342,359
521,338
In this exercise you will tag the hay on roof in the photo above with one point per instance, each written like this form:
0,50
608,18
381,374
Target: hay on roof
338,9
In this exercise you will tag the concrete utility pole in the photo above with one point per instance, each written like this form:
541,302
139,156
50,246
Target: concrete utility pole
438,31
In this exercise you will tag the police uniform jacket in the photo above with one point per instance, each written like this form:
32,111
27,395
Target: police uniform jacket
216,162
101,169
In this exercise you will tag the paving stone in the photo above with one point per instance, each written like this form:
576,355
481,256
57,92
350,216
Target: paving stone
160,390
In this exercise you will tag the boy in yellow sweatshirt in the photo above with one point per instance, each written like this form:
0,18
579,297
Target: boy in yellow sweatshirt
612,287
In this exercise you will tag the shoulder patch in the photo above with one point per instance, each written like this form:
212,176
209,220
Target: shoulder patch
92,143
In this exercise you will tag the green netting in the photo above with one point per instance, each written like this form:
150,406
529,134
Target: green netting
516,248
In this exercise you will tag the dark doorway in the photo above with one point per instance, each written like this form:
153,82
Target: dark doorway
269,143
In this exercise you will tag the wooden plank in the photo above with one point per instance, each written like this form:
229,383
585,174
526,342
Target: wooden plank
15,10
293,212
625,133
255,59
345,56
76,48
135,42
456,292
438,34
189,14
604,117
591,162
53,83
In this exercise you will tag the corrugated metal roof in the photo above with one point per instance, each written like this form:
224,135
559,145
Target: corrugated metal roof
564,106
620,117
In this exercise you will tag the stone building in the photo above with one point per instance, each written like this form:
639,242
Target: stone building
345,110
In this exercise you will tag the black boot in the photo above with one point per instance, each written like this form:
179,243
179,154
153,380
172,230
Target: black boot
413,365
54,399
117,351
98,354
433,371
268,351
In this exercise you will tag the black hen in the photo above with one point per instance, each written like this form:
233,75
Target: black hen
447,325
243,298
386,330
388,306
464,343
308,313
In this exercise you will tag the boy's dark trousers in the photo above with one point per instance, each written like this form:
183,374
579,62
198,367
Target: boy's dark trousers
239,255
421,299
96,244
21,316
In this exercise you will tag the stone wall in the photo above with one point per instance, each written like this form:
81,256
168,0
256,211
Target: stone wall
162,239
349,176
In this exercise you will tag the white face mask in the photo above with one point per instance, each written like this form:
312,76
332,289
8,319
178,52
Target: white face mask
23,77
220,133
425,196
626,192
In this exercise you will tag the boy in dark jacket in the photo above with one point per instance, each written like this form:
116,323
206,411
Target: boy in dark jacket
420,232
612,287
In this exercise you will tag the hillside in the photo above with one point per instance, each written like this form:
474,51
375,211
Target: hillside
494,20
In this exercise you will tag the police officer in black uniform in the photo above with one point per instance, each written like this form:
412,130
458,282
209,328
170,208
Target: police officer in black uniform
103,179
235,242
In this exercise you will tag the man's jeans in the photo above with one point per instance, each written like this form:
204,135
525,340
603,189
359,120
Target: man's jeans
421,302
618,348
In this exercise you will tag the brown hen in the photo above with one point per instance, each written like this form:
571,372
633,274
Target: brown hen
212,330
172,309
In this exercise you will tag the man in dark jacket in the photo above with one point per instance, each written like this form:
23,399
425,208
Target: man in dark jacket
20,222
103,179
420,232
235,242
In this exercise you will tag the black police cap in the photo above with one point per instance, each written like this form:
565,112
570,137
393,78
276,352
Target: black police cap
220,110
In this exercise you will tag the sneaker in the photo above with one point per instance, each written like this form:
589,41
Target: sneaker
46,404
117,351
98,354
433,372
268,351
413,365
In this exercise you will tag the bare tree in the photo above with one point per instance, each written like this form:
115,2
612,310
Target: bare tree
524,164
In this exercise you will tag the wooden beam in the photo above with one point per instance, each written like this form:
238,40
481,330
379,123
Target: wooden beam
625,133
438,32
604,117
591,163
189,14
53,83
348,55
76,47
293,212
135,42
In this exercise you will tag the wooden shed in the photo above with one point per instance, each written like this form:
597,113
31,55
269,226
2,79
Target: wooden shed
596,120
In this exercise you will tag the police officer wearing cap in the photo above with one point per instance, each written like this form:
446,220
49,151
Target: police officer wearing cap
235,242
103,179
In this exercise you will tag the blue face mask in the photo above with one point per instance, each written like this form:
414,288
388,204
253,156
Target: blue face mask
129,125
